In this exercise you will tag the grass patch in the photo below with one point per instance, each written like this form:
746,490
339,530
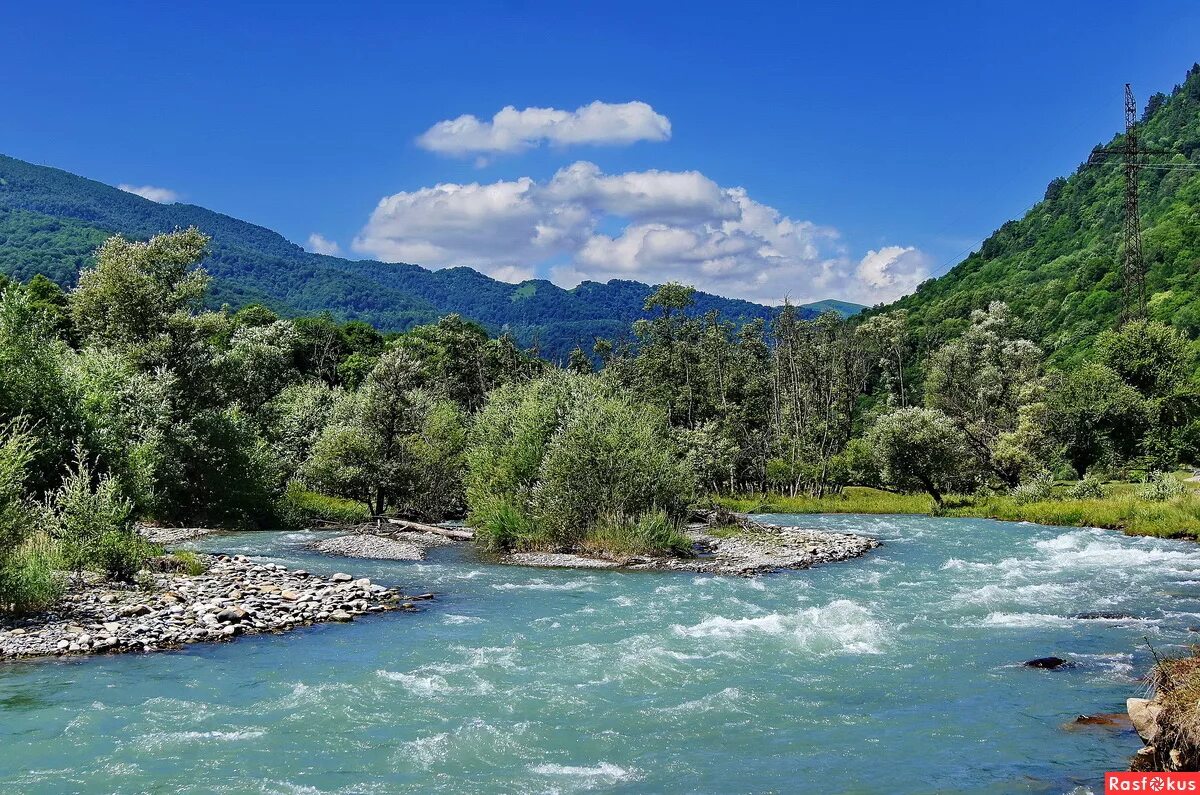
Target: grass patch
854,499
299,507
1176,518
193,565
725,530
650,534
501,526
1121,508
29,582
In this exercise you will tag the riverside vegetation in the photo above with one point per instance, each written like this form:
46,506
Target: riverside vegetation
123,401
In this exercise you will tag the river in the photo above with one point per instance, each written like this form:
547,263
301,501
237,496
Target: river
899,672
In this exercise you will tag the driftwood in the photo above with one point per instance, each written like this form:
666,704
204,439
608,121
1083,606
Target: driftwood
718,515
416,527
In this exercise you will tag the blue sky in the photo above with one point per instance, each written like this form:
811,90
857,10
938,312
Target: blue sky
875,142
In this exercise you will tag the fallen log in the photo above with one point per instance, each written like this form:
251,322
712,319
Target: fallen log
417,527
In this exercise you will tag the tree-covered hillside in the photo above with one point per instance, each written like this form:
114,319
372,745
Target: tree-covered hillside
51,221
1058,268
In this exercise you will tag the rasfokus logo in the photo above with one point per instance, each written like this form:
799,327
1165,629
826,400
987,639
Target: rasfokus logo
1151,782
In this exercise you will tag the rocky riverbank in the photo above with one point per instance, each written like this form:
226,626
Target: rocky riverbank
743,552
1169,721
235,596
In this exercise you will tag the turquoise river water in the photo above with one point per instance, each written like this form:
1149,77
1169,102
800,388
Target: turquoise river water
895,673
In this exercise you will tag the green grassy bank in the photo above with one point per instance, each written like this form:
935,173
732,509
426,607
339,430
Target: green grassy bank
1120,508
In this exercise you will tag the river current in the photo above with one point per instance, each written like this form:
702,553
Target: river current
899,672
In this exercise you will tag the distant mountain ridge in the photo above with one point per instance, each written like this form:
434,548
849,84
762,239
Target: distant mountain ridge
52,220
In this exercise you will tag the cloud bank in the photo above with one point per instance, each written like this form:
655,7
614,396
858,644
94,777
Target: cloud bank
652,226
512,130
152,192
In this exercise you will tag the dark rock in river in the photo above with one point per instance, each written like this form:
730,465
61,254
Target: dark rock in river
1104,616
1108,720
1048,663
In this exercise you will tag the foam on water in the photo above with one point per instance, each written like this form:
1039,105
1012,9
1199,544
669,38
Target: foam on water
543,585
450,618
602,774
168,739
731,699
842,626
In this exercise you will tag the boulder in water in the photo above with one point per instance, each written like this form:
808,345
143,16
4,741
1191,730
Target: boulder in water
1144,714
1103,615
1048,663
1112,720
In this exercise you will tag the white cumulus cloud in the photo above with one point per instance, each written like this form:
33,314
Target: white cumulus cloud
319,244
894,268
151,192
512,130
651,226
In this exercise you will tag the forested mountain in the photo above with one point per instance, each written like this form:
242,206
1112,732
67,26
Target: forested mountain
1058,267
51,221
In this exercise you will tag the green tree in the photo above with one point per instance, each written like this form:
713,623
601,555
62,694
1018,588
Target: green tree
981,380
364,453
34,385
127,298
919,449
1094,415
259,363
50,301
436,450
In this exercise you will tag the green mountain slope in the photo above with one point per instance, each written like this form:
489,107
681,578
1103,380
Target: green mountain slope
50,221
1059,265
843,308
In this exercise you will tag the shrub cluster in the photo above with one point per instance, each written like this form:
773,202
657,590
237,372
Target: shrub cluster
565,462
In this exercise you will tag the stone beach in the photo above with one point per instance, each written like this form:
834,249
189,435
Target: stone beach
235,596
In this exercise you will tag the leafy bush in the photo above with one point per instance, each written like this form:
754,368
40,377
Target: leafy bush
1087,489
93,526
652,533
547,459
27,580
1162,486
121,553
609,458
508,439
299,507
1038,488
